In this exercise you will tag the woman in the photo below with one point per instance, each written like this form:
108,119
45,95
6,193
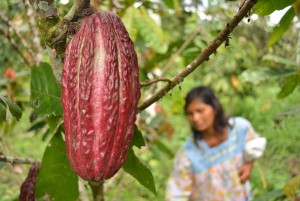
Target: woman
215,164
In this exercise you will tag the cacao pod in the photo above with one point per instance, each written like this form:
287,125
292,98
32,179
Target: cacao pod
100,93
28,186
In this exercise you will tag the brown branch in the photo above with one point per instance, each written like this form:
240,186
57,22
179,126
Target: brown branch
18,160
203,56
15,45
12,30
148,83
78,7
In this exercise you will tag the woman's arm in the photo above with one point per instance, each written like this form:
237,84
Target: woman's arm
245,171
254,148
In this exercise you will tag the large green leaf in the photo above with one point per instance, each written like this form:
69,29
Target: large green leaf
151,31
266,7
56,179
45,90
283,26
138,139
289,85
8,109
133,165
140,172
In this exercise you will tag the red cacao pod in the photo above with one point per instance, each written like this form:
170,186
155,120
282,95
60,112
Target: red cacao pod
28,186
100,93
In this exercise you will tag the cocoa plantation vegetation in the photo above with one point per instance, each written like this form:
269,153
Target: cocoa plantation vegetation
250,61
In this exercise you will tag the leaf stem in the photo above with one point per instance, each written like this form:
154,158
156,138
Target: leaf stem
98,190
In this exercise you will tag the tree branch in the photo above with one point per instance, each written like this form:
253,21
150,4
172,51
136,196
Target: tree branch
148,83
78,6
18,160
14,45
203,56
12,29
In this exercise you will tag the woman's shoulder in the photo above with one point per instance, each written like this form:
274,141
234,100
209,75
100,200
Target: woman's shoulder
239,121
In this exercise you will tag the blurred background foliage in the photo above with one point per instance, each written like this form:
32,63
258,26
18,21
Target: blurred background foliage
257,76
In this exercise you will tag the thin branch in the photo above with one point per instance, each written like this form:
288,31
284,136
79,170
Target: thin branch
12,29
18,160
148,83
78,7
14,44
181,49
203,56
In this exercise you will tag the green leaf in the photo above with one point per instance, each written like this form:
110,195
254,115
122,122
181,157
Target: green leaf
150,31
2,114
262,74
2,164
289,85
9,109
128,20
140,172
138,139
162,147
37,126
266,7
45,90
173,4
56,178
283,26
272,195
128,2
279,59
54,122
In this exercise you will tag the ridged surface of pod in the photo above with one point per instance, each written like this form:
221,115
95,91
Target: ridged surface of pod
100,93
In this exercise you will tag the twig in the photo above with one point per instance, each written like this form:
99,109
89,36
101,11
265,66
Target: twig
14,45
77,7
148,83
18,160
203,56
13,29
181,49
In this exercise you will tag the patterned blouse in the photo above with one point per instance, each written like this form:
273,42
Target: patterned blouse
203,173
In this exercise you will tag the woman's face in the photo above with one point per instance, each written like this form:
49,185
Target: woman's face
200,115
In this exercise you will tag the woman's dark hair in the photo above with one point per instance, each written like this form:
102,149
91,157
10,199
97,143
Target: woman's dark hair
206,95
